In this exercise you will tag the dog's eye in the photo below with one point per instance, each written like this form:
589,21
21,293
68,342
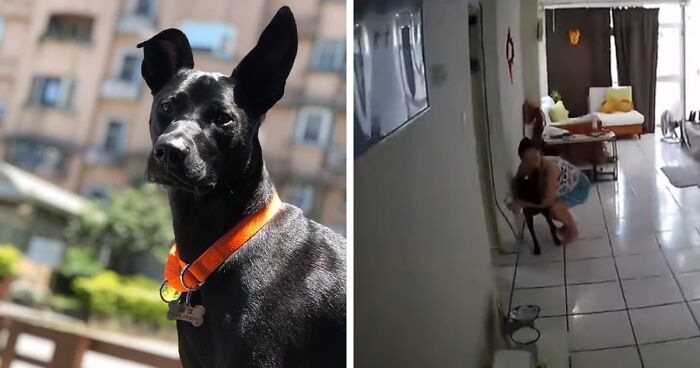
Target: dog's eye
222,119
167,107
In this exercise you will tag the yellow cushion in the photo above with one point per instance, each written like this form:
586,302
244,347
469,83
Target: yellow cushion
618,94
625,106
608,106
558,112
616,105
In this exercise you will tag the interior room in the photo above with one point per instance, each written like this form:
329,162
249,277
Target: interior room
611,87
620,88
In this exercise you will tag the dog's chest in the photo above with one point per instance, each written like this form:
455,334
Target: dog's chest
254,313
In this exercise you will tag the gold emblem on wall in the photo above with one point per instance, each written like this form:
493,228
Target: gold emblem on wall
574,36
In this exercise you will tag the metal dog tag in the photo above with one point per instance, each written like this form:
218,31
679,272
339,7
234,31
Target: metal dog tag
185,312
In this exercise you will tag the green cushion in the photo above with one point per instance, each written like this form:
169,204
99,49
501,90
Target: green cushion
613,94
558,112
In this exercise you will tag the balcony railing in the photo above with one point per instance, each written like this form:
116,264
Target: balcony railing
100,157
119,89
70,347
135,23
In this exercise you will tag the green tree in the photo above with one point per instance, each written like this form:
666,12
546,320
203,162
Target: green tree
131,221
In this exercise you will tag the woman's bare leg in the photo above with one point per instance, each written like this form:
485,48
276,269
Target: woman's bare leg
561,213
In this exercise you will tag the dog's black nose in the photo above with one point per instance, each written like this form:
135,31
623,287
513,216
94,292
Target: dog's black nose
173,151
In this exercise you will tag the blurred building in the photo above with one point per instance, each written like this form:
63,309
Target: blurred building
74,109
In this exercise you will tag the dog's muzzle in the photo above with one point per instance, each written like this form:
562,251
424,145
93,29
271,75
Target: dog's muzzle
171,151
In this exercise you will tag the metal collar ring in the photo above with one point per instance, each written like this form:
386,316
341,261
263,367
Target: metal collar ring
182,280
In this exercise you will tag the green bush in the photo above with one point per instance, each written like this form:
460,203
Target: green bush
80,261
135,220
131,297
9,260
65,302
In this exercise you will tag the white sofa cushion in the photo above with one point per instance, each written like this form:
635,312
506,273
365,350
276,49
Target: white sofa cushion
621,118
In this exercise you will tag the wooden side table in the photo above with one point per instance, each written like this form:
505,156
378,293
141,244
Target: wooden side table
607,138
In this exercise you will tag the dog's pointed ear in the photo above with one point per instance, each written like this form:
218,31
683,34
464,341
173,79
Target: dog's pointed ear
163,55
261,76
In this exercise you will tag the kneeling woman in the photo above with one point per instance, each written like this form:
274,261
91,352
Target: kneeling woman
564,186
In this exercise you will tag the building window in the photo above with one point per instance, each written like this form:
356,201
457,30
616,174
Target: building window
69,28
113,142
52,92
36,157
130,68
300,195
2,28
329,55
144,7
216,38
314,125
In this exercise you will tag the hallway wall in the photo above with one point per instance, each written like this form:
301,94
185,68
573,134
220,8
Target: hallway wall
529,14
422,265
505,98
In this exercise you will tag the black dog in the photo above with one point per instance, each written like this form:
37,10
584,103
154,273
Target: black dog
529,189
280,300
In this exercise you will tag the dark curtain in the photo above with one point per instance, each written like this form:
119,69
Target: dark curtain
636,33
572,69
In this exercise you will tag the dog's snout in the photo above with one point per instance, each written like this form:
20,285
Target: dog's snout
173,151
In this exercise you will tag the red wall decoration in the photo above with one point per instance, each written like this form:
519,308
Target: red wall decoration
510,55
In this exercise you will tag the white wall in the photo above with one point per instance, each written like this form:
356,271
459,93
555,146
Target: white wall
422,264
530,46
606,3
505,99
542,49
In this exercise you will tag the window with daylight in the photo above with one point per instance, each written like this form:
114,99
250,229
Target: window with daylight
144,7
38,158
113,142
314,126
668,76
300,195
216,38
329,55
130,70
69,28
52,92
2,28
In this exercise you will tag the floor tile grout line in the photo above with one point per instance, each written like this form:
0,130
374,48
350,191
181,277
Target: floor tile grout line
622,291
512,285
599,282
566,290
602,349
680,288
644,344
617,309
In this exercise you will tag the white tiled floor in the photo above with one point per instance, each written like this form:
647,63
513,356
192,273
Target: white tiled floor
627,294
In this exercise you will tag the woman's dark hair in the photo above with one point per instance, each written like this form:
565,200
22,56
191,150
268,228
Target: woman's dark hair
525,144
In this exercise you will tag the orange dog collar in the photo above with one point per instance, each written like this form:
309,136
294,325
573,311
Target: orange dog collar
184,277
